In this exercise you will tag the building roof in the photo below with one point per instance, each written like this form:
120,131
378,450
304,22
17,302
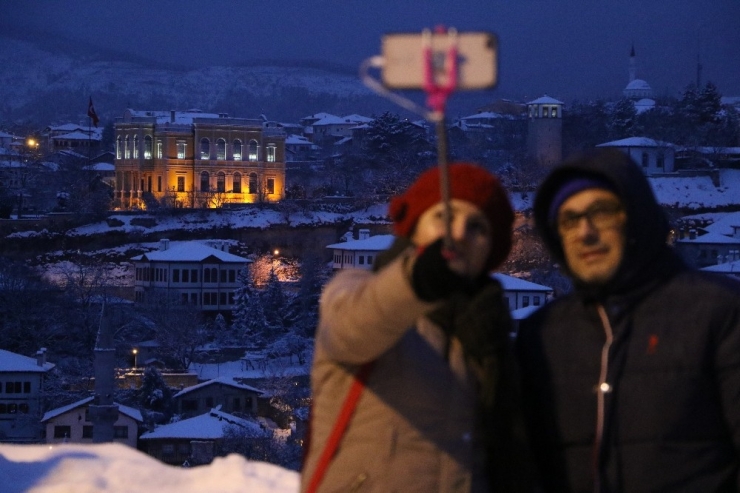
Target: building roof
128,411
726,268
76,136
224,381
191,251
374,243
638,84
545,100
208,426
13,362
711,238
636,142
511,283
522,313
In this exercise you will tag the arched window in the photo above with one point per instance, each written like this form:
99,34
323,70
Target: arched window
221,149
253,150
204,180
119,147
147,147
205,149
253,183
127,148
271,154
221,182
237,184
236,149
136,147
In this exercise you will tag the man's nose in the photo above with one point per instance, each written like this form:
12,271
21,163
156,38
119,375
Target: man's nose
585,229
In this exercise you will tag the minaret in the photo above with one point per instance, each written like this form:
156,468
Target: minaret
633,64
103,412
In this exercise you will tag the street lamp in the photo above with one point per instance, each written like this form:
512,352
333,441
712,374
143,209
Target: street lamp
136,353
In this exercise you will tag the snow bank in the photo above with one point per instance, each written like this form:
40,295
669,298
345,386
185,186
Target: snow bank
116,468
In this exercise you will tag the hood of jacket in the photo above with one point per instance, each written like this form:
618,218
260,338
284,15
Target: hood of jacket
646,230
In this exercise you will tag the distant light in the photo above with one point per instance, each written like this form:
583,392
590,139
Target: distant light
135,351
276,252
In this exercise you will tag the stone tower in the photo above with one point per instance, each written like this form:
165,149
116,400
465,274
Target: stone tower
103,412
545,130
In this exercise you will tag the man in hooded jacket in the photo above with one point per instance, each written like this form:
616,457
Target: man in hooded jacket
631,382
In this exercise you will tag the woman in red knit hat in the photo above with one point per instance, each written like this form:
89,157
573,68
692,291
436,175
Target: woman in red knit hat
409,378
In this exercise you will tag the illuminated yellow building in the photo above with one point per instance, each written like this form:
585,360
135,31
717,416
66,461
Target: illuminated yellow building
196,160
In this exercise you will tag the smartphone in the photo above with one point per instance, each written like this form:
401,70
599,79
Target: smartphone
403,59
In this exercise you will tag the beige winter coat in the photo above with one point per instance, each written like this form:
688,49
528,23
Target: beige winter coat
414,426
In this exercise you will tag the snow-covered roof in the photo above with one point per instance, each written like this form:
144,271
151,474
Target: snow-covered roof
644,104
336,120
208,426
180,117
487,115
101,167
638,84
636,142
726,268
354,117
343,141
374,243
191,251
545,100
77,136
711,238
522,313
318,116
511,283
293,139
224,381
13,362
128,411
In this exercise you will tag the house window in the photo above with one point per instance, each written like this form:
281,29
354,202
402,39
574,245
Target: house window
221,149
87,431
645,160
554,112
536,300
205,148
221,182
661,160
369,260
271,153
271,185
180,183
253,183
147,147
237,183
175,275
12,408
253,150
181,148
361,260
232,275
545,112
204,179
525,301
62,431
223,276
127,148
159,184
120,432
185,275
236,150
26,387
119,148
136,147
193,275
159,149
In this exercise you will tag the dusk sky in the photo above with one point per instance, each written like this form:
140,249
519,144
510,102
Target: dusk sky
567,49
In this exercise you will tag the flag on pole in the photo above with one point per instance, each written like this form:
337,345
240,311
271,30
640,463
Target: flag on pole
91,113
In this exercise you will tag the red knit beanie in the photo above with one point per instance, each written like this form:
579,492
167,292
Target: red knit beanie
468,182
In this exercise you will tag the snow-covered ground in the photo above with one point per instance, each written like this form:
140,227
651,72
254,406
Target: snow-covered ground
116,468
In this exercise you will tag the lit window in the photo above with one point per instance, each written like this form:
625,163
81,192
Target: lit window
159,149
253,150
237,183
554,112
62,431
253,183
127,148
181,147
221,182
271,154
180,183
136,147
525,301
119,148
221,149
236,149
270,185
147,147
120,432
205,149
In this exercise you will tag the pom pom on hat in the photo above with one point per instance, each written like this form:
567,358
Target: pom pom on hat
468,182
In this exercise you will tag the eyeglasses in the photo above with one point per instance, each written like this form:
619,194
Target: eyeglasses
600,215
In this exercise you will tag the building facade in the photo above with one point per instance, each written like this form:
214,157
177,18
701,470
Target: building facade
196,160
190,273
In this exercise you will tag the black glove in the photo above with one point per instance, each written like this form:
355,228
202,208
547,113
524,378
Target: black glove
431,277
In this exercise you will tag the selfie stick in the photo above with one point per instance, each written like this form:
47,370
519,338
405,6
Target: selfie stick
437,95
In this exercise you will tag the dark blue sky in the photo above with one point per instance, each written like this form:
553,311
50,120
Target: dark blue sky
567,49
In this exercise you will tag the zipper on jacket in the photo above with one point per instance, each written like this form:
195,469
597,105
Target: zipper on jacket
602,389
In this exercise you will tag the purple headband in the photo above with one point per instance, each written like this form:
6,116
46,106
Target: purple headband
571,187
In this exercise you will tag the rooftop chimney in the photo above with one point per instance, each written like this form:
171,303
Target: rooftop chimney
172,116
164,244
41,357
364,234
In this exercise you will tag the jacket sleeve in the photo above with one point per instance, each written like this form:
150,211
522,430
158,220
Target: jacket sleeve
362,314
728,374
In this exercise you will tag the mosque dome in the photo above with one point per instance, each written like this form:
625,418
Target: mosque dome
638,89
